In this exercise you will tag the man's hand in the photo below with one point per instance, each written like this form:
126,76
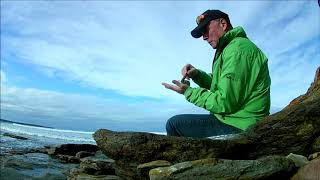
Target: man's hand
178,87
189,71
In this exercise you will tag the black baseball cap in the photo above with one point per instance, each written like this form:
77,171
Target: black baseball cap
205,18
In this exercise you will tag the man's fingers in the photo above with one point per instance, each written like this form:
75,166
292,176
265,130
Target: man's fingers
176,82
170,86
166,85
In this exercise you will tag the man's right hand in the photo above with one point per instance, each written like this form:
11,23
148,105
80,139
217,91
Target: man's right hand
189,71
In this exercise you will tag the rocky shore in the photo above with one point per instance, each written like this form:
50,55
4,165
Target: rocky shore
285,145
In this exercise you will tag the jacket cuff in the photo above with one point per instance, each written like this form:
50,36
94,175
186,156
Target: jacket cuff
188,92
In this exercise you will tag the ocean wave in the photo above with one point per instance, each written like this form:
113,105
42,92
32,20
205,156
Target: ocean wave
53,129
66,135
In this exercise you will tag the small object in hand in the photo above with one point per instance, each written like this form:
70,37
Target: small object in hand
184,81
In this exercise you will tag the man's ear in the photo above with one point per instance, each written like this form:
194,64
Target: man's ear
224,24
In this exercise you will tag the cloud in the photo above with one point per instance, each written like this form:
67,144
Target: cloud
103,52
69,110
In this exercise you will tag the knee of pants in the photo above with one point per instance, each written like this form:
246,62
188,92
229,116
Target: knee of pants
172,123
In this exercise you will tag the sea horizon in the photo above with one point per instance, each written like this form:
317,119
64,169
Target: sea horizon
61,130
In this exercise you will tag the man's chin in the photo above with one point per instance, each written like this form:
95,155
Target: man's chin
213,46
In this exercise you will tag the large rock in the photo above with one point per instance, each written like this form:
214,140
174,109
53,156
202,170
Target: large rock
295,129
270,167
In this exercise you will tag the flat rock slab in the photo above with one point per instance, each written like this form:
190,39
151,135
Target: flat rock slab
270,167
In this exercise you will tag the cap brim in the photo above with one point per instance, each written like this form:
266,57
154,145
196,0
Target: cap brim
199,30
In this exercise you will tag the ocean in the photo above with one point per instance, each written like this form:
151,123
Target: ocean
41,136
15,166
38,165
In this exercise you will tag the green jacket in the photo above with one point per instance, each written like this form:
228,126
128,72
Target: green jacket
238,90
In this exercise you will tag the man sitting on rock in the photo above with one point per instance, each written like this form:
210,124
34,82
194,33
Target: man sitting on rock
236,93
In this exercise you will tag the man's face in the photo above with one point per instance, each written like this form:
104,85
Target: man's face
214,30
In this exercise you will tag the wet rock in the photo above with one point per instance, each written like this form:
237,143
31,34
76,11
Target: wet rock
143,169
310,171
72,149
15,136
270,167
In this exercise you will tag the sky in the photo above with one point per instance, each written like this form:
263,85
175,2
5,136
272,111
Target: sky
86,65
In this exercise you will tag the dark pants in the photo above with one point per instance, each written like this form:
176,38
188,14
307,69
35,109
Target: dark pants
198,126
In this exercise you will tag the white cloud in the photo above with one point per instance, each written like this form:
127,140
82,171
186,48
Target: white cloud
60,108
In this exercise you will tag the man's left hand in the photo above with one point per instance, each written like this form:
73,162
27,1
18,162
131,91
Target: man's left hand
178,87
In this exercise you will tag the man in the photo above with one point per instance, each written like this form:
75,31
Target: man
236,93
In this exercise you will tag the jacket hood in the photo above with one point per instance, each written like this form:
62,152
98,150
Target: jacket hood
230,35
